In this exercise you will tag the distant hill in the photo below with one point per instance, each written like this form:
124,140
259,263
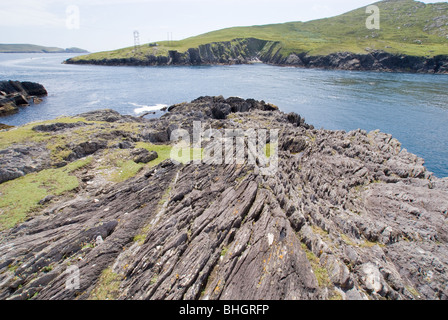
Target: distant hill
407,27
31,48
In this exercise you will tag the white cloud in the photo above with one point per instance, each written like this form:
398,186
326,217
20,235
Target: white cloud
29,13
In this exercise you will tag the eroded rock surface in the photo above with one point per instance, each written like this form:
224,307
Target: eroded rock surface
348,215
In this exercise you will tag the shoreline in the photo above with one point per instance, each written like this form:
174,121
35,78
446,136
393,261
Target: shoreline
254,51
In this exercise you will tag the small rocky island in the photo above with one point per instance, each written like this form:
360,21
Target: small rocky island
93,207
14,94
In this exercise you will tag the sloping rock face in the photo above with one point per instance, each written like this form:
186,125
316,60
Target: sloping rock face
373,61
347,215
15,93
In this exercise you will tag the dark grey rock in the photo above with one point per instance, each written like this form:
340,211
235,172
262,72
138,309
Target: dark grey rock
350,215
144,156
15,93
58,126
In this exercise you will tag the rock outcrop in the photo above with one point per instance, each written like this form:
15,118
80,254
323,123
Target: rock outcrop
14,94
347,215
372,61
250,50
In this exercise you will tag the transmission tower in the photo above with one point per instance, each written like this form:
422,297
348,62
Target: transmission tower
136,40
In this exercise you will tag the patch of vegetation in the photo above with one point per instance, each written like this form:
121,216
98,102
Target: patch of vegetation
108,286
12,268
117,167
348,241
26,134
370,244
22,195
140,238
79,164
47,269
19,135
166,196
321,273
163,151
224,251
335,296
154,279
125,170
268,148
364,244
413,291
87,246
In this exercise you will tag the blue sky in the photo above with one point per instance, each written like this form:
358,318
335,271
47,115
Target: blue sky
109,24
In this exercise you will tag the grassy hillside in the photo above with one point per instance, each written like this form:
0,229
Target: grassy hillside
407,26
31,48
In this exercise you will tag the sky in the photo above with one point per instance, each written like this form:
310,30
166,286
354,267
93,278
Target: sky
99,25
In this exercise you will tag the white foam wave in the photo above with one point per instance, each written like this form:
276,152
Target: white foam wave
143,108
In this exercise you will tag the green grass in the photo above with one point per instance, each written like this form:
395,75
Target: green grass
407,27
164,151
267,150
26,134
20,196
107,287
224,251
413,291
120,167
125,170
321,273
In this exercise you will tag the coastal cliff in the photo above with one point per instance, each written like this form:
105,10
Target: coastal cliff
94,207
246,51
251,50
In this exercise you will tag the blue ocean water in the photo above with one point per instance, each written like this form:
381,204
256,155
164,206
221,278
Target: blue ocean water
411,107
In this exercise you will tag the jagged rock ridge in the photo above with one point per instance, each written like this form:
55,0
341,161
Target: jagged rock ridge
349,215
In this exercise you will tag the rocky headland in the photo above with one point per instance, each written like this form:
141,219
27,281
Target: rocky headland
14,94
251,50
93,207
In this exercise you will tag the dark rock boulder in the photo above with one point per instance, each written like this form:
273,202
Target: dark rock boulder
58,126
108,115
15,93
5,126
18,161
294,144
220,111
34,89
297,120
7,107
159,136
85,149
143,155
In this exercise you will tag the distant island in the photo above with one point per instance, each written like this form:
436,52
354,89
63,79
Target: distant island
32,48
412,37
